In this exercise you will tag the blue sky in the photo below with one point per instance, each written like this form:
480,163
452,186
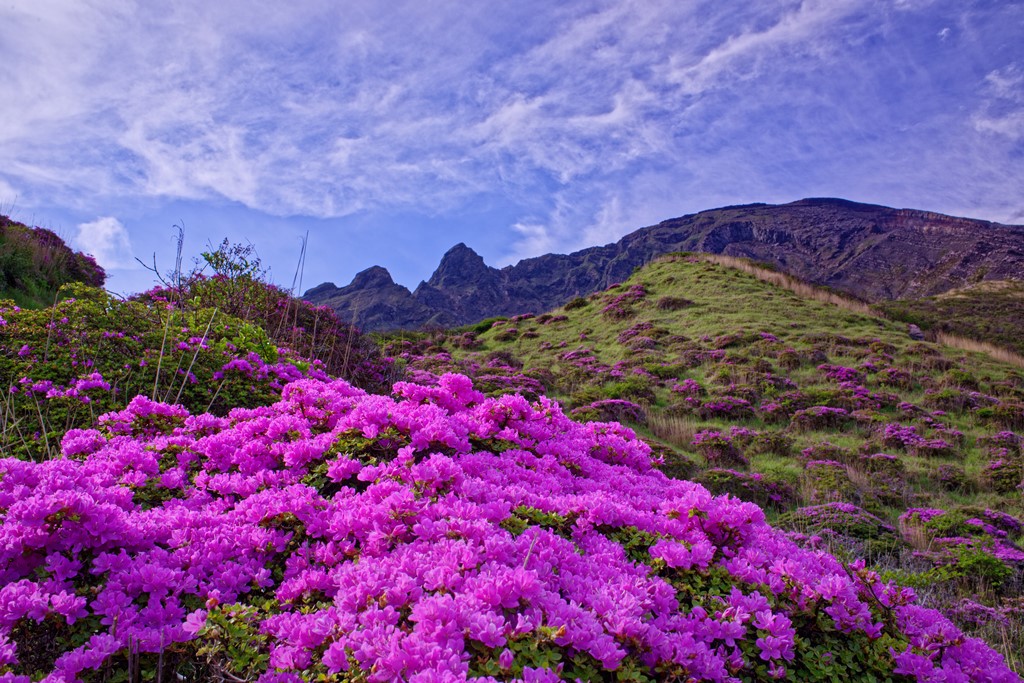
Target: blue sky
391,131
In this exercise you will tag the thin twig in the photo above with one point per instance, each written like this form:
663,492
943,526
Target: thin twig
194,356
163,345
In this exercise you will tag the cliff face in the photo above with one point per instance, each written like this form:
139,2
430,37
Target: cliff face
872,252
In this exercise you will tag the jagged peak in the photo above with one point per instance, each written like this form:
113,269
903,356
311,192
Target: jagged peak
372,278
457,263
461,253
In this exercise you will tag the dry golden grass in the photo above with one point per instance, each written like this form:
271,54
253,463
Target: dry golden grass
677,431
965,344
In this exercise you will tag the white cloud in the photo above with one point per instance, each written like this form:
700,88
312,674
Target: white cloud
806,30
106,238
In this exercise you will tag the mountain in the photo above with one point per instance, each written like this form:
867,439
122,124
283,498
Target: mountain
871,252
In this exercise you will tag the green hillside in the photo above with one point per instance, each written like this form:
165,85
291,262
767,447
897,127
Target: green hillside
35,262
992,312
841,426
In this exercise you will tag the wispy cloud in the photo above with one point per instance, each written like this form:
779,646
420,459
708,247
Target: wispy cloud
1002,110
589,118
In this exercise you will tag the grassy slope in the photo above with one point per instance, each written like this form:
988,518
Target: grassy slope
35,262
990,311
730,310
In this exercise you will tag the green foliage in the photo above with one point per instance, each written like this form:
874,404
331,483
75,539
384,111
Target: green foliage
990,311
523,517
969,567
485,325
160,352
250,338
827,482
635,542
274,317
231,640
631,389
35,262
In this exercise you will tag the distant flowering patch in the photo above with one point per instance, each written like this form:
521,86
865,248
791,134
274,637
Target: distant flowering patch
839,373
620,306
725,407
611,410
688,387
819,417
435,534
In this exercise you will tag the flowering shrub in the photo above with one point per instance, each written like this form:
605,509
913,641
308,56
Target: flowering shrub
885,477
620,306
933,448
611,410
641,329
895,377
1005,414
895,435
1013,443
729,407
35,262
749,486
819,418
433,535
237,289
826,450
839,373
952,477
688,387
718,449
1003,473
989,530
844,525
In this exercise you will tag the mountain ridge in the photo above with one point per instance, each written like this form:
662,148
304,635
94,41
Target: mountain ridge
869,251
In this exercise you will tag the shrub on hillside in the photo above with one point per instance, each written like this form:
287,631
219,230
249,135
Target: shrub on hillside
237,289
826,481
1004,473
826,450
673,303
611,410
578,302
843,528
718,449
752,487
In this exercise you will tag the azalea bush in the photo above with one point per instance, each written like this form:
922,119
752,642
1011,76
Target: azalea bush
434,534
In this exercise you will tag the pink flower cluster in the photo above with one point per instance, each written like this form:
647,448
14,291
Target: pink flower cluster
419,537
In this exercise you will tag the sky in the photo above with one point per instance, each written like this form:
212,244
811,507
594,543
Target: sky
388,132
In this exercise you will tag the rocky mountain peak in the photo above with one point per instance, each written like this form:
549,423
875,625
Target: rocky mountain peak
459,265
373,277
